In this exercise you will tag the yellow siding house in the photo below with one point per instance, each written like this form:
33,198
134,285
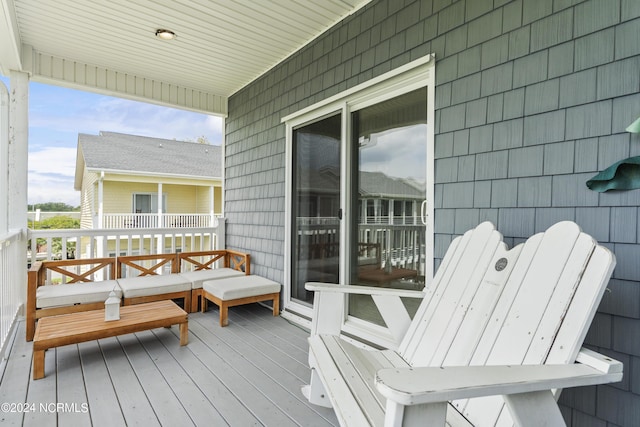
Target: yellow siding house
129,181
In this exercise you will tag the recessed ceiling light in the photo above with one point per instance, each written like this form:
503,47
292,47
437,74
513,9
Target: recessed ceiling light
165,34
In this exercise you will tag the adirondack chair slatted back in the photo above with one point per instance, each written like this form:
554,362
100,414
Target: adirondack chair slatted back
492,306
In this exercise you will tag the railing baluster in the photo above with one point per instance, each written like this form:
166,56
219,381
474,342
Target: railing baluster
12,288
91,243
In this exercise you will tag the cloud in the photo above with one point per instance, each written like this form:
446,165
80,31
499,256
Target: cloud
62,158
57,115
44,188
400,153
120,115
51,176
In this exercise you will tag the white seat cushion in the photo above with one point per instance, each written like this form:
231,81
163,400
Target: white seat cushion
198,277
240,287
75,293
143,286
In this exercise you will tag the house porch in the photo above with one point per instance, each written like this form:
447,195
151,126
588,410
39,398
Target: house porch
248,373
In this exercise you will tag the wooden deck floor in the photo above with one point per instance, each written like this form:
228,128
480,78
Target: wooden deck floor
248,373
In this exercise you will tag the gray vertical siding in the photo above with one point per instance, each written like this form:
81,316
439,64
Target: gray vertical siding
532,98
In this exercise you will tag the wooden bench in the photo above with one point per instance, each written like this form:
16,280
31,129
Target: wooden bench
86,283
84,326
233,291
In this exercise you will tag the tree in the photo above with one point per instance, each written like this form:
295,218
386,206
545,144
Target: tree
199,140
57,222
53,207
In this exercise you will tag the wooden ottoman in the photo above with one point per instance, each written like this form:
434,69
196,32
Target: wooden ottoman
240,290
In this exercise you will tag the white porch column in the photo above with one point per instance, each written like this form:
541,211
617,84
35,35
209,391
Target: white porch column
160,240
212,205
18,151
4,156
100,222
17,166
160,224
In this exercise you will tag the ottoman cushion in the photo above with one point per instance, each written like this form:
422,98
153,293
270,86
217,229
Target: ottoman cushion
198,277
240,287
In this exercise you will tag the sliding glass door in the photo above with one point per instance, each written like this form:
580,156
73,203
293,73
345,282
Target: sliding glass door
316,206
388,182
360,193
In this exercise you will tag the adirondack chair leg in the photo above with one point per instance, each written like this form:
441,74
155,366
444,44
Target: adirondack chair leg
315,392
397,415
537,408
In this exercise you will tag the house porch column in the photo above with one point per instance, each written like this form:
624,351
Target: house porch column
160,224
17,156
212,206
4,153
100,221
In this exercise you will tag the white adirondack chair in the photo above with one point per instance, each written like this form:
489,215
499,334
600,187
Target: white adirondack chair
497,336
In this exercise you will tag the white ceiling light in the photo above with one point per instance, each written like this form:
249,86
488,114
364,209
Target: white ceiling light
165,34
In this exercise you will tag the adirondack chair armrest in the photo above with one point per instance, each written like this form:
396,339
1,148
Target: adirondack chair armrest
415,386
328,306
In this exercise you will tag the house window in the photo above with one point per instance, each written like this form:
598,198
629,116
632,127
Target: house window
355,163
148,202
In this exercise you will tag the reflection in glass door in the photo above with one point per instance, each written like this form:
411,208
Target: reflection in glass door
315,245
388,175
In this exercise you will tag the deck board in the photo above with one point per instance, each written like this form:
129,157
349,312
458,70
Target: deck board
101,396
131,396
15,385
70,383
159,394
248,373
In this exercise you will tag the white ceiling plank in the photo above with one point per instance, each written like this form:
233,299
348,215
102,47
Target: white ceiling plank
10,36
221,45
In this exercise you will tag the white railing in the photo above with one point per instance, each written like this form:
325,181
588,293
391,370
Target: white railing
153,220
13,282
92,243
392,220
400,245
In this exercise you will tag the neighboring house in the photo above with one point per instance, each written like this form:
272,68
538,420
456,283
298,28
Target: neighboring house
130,181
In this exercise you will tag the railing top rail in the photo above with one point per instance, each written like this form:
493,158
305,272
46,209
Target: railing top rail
74,232
10,236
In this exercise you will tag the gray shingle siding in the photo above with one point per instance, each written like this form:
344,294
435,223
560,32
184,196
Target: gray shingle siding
532,99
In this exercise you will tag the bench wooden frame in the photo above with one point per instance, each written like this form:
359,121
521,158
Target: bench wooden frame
156,262
112,270
37,276
230,259
225,304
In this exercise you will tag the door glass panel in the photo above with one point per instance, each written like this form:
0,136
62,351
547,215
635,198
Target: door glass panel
148,203
316,203
389,178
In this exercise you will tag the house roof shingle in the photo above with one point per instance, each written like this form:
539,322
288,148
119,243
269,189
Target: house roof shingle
118,152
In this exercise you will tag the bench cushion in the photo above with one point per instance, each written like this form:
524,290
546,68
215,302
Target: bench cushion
240,287
75,293
198,277
143,286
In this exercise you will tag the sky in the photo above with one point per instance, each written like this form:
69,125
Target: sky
57,115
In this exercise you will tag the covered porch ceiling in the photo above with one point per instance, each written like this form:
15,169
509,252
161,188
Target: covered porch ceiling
111,47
